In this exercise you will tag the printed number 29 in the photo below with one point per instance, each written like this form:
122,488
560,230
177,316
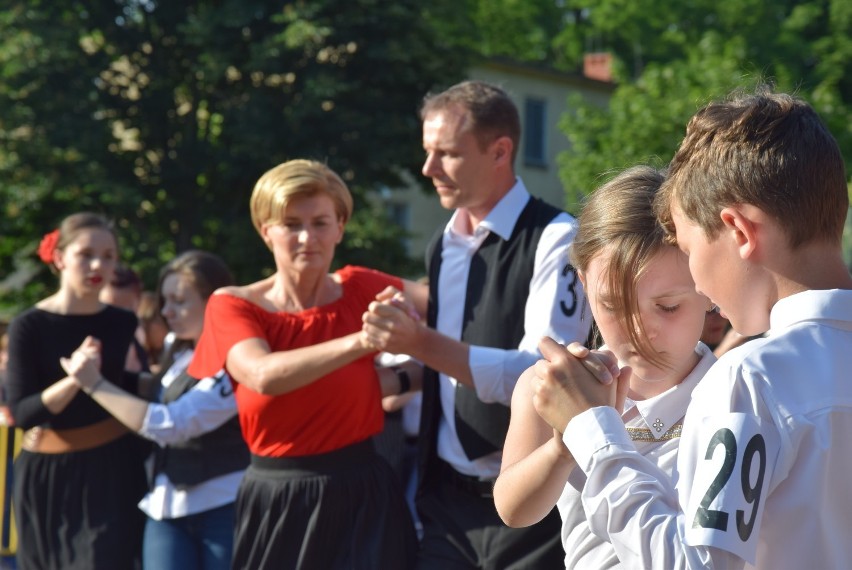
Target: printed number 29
709,518
569,310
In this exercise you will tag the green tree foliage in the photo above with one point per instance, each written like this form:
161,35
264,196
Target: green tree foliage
673,56
523,30
163,114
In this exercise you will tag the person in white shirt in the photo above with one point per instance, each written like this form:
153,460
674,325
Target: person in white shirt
499,279
647,312
756,196
200,456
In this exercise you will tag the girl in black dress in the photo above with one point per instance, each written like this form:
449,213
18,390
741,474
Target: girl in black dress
79,475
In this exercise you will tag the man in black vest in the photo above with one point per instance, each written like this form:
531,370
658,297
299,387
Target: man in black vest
499,279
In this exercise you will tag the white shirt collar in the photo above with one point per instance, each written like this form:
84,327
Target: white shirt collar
813,305
501,219
664,410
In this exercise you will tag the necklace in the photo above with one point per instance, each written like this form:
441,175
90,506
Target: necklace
645,434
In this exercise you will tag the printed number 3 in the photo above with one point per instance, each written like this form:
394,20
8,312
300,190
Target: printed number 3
569,310
709,518
225,388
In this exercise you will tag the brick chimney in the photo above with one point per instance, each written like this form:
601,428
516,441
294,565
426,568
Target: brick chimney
598,66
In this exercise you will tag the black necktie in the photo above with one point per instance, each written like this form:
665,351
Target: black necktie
481,427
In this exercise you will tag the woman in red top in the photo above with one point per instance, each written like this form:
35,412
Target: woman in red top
316,495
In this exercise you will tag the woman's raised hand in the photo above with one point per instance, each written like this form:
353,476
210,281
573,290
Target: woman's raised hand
84,365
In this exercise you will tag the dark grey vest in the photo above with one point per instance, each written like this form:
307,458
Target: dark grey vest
497,290
210,455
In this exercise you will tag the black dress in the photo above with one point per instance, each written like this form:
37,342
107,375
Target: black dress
78,509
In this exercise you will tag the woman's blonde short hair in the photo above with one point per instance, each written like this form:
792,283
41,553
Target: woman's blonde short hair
294,178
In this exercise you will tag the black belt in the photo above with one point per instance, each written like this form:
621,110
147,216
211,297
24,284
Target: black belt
353,454
473,485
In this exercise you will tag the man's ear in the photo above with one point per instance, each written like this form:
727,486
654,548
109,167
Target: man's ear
742,225
502,148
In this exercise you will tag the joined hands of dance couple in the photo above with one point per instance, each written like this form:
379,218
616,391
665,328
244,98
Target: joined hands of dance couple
572,379
568,379
391,323
84,364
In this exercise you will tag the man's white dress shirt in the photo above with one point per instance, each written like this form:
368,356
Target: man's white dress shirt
495,371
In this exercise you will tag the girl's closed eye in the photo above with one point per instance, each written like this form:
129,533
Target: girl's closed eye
606,303
669,308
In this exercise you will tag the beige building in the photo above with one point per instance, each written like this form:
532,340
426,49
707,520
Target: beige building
541,95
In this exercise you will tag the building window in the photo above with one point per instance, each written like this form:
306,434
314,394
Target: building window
535,115
399,214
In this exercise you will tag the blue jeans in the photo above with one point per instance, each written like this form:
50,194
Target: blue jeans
203,541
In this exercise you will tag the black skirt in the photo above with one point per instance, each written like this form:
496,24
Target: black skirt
338,510
79,510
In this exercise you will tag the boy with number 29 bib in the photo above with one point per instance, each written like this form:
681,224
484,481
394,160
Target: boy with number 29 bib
756,196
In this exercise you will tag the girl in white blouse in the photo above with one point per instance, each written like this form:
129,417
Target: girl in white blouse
646,309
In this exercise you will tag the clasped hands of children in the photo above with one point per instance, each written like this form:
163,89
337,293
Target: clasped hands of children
571,379
568,379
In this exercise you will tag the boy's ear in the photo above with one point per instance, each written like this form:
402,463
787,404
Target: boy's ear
742,225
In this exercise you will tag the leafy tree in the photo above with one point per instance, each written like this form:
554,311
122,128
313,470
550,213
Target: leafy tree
672,57
163,114
523,30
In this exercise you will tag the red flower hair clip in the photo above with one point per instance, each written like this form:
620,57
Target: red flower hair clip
48,246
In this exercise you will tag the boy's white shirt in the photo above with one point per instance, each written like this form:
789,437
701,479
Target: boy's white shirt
658,414
765,456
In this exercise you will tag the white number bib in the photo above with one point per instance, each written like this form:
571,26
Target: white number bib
731,479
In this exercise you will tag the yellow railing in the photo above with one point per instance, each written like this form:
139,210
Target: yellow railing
10,447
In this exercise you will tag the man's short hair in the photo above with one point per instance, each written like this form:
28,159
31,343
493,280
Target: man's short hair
770,150
493,114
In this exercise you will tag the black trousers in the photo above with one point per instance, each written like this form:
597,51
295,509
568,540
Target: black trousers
462,531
